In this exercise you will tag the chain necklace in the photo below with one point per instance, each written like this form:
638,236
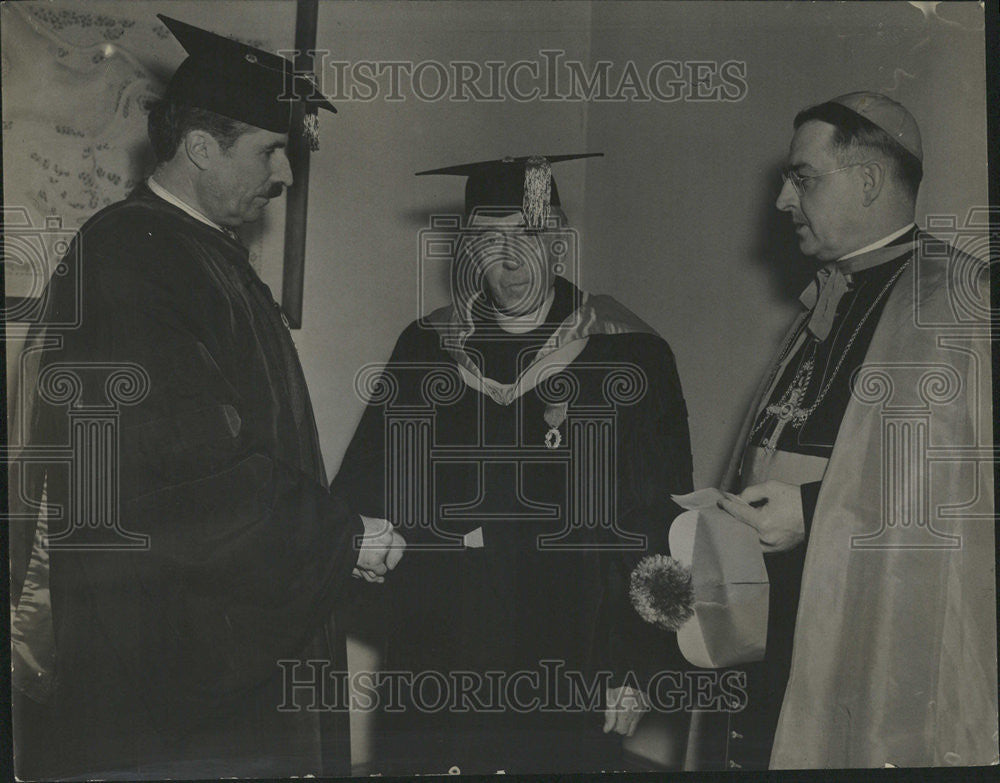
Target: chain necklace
787,409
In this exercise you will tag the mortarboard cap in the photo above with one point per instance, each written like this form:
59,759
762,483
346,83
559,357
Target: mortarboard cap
888,115
524,183
241,82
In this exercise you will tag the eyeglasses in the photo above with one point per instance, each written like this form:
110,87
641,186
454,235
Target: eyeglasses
799,181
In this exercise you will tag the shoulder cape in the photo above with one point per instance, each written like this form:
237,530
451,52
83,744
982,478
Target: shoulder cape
899,563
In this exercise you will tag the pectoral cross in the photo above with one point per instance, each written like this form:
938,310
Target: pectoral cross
785,411
788,408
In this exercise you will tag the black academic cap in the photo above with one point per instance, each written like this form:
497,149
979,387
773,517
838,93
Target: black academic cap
240,81
511,183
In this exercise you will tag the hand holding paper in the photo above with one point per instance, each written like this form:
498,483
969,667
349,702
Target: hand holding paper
774,510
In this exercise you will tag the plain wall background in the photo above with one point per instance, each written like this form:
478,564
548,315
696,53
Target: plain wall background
677,220
680,217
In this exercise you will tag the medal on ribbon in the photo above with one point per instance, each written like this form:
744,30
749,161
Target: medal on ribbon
555,415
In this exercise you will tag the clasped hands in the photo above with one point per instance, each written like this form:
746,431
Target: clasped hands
774,510
380,552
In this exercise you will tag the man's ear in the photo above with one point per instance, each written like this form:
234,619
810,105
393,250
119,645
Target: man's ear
200,147
872,179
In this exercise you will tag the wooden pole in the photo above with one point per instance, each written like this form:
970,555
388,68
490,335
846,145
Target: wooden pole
297,198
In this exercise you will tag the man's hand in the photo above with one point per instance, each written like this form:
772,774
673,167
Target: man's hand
774,510
625,709
381,550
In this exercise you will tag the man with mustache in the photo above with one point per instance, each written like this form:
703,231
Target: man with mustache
881,625
169,656
556,432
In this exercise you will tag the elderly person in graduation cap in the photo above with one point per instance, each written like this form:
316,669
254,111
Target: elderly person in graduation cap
881,631
168,657
561,435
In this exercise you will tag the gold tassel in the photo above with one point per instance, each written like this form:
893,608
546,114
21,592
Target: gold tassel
310,129
537,191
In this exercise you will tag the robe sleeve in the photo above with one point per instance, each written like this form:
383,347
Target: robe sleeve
655,462
246,554
361,477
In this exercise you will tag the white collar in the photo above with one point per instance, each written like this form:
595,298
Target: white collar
170,198
880,242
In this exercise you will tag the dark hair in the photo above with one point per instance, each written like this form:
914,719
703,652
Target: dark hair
852,132
169,121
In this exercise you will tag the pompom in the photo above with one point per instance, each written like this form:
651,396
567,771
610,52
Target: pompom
662,592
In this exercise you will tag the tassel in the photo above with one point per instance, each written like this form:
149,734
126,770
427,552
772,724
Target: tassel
662,592
537,191
310,129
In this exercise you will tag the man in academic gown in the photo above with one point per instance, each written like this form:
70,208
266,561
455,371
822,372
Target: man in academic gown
881,630
167,656
536,432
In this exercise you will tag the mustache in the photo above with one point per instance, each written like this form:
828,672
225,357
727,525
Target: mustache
275,190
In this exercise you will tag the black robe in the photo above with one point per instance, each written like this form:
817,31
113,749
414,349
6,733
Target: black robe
167,657
514,606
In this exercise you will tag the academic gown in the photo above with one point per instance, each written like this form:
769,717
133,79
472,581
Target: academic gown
511,605
167,656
